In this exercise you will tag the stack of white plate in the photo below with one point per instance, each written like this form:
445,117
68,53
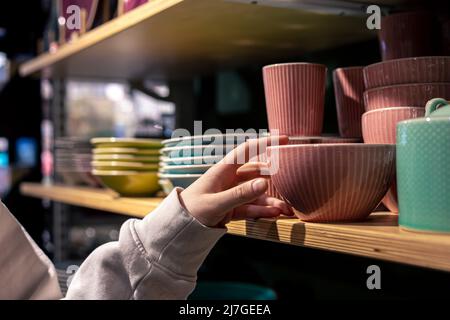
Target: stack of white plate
185,159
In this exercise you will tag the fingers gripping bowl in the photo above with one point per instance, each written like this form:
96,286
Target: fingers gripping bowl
332,182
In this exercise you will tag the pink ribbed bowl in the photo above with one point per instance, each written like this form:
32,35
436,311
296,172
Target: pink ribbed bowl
379,126
390,200
271,190
295,95
413,95
333,182
348,91
407,70
321,139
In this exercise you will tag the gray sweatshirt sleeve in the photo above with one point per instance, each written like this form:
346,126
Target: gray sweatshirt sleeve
25,271
155,258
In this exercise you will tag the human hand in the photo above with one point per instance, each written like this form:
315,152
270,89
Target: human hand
232,191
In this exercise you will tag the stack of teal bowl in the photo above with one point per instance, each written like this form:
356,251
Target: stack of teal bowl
128,166
185,159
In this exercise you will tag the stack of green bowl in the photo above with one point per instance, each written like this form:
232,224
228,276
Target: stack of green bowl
185,159
128,166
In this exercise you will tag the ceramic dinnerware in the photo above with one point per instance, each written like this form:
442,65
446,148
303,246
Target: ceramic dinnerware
295,94
407,70
332,182
348,91
411,95
423,170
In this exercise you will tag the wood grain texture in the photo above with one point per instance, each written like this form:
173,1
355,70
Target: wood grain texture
167,38
377,237
100,199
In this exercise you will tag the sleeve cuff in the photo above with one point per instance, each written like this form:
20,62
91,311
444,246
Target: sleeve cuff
175,239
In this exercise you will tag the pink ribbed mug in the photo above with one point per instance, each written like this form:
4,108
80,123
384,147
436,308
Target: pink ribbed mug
295,96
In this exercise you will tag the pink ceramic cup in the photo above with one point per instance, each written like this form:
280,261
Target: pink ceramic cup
348,91
333,182
407,34
295,95
379,126
414,95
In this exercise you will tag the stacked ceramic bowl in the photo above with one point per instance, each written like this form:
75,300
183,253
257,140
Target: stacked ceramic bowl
185,159
73,161
398,90
126,165
320,175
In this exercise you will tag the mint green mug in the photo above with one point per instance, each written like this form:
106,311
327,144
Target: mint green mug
423,169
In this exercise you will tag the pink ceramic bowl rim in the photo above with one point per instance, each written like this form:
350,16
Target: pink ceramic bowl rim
316,137
293,64
405,59
408,85
392,109
332,145
337,138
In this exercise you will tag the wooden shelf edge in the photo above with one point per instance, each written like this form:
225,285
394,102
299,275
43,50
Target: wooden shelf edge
379,237
395,249
92,198
97,35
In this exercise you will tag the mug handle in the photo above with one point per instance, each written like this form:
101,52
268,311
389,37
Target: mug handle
434,104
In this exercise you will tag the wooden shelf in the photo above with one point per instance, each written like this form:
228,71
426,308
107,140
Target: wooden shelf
100,199
378,237
169,38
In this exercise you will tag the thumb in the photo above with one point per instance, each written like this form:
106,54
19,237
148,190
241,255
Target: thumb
241,194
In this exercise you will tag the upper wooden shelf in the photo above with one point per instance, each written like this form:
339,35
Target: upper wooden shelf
171,38
378,237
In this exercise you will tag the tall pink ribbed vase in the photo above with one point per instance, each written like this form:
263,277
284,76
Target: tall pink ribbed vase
295,96
348,91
